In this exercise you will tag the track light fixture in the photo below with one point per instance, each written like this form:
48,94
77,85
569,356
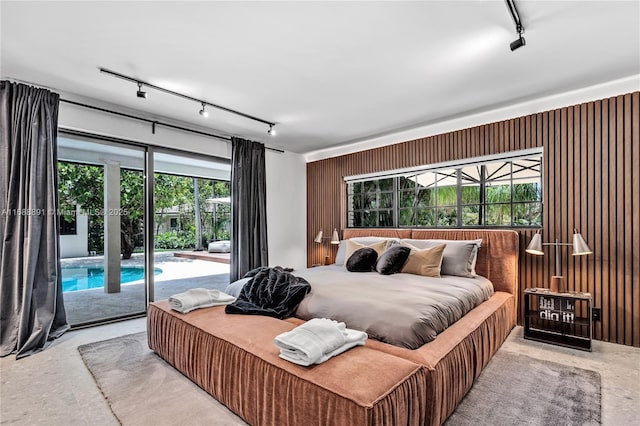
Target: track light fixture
517,43
520,41
203,111
140,93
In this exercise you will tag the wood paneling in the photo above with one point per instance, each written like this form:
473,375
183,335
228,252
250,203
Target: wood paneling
591,182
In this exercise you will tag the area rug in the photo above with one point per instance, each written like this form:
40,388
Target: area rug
515,389
142,389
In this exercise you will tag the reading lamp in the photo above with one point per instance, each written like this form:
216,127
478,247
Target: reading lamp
580,248
335,239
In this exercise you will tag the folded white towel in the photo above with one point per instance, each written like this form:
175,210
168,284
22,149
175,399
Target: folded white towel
198,298
316,341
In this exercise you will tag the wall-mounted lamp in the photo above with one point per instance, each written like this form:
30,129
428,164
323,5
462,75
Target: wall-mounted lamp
580,248
335,239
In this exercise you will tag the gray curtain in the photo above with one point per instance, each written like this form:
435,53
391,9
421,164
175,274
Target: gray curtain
31,307
248,207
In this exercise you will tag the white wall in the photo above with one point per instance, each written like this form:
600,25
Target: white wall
287,209
76,245
286,173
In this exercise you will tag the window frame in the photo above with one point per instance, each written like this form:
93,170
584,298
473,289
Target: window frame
457,167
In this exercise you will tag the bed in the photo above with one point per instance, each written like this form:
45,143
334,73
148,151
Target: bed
232,356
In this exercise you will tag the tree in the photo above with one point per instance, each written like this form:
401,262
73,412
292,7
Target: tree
83,185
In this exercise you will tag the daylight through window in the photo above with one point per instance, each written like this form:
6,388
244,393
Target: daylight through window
505,192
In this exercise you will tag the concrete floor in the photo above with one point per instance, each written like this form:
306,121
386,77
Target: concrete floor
55,388
178,275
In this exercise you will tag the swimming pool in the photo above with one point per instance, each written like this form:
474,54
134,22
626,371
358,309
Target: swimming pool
88,277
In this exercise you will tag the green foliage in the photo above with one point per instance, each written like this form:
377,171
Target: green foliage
82,184
175,240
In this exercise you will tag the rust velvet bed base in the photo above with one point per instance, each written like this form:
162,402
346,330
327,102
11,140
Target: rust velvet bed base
232,357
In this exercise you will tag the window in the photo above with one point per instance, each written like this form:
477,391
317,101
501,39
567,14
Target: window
497,192
68,222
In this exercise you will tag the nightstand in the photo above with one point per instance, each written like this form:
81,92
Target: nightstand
558,318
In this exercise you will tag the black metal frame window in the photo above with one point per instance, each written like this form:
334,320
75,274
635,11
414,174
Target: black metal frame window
371,203
504,192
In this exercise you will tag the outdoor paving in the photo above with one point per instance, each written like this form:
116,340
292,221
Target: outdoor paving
178,275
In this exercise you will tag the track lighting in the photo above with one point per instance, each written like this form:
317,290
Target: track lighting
519,42
204,112
140,93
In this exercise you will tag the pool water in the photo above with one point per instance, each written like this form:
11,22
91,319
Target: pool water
88,277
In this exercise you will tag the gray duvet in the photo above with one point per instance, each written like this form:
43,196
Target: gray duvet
401,309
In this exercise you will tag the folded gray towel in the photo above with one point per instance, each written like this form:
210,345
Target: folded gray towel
198,298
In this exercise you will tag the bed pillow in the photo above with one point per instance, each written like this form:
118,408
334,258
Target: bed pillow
235,287
392,260
341,257
426,262
362,260
459,257
352,246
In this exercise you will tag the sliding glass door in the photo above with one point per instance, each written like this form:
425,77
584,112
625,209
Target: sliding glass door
191,223
101,194
116,196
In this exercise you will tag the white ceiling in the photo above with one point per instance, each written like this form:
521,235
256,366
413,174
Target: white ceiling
329,73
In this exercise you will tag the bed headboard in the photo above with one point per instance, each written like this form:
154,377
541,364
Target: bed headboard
497,257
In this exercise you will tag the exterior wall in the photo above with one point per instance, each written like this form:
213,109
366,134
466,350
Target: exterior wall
76,245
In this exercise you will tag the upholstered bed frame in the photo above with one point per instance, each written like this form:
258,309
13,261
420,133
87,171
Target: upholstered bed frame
233,358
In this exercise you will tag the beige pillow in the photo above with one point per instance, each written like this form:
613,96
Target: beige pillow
352,246
425,262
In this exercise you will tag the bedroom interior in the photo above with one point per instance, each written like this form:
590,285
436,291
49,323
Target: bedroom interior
433,167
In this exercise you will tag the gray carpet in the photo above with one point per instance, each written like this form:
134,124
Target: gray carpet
514,389
142,389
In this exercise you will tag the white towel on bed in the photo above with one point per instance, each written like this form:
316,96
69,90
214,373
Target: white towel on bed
317,340
198,298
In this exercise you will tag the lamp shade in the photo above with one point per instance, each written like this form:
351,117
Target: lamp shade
318,237
580,247
335,239
535,246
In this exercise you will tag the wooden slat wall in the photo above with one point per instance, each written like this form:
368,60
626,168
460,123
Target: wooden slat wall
591,182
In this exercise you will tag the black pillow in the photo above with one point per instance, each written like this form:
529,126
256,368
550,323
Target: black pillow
392,260
362,260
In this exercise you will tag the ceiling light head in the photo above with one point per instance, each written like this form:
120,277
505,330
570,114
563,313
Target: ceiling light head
140,93
518,43
271,131
204,112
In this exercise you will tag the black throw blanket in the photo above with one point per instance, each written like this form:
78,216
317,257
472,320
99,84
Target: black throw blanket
274,292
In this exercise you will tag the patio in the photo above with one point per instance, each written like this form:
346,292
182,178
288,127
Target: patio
178,274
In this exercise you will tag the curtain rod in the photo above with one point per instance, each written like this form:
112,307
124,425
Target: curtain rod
154,123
